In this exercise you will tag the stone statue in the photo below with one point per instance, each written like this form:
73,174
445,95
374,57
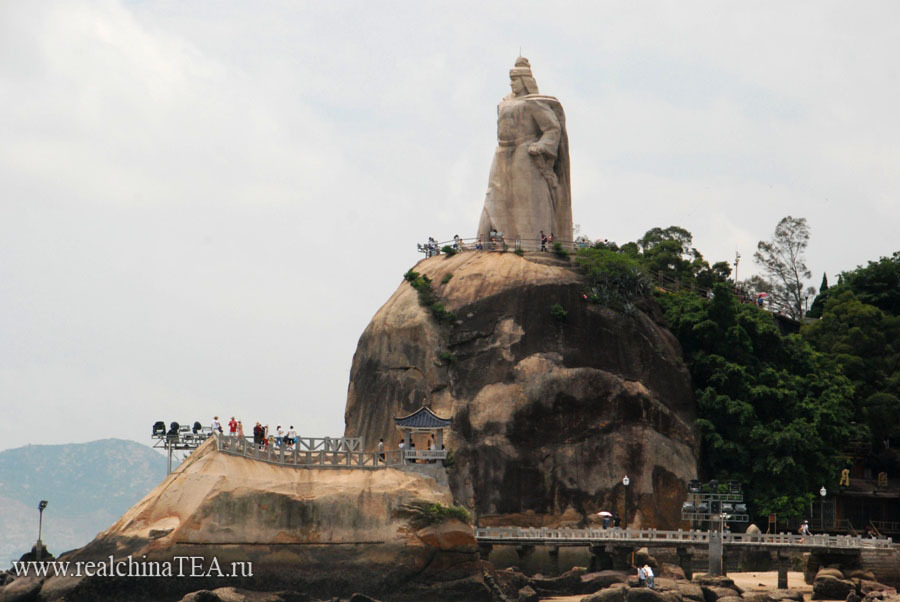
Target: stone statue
528,189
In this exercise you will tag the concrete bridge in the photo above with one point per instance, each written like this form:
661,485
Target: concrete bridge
613,548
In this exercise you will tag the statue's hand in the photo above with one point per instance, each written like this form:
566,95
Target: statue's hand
534,149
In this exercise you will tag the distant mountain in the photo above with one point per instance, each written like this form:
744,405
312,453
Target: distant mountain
88,487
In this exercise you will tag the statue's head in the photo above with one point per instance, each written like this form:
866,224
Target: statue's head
520,79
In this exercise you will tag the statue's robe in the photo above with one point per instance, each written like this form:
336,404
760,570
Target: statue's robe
527,193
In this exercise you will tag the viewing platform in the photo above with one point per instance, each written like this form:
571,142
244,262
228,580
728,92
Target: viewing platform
327,452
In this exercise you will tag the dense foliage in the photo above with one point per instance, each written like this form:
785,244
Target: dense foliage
771,412
775,412
859,332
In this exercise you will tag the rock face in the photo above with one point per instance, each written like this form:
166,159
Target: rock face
318,532
548,414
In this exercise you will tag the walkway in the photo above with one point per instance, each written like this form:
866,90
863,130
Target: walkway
655,537
325,452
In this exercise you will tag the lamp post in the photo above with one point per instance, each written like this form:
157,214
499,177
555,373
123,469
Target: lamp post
625,482
41,505
822,493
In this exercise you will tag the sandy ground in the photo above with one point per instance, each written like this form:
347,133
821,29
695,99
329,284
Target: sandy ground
749,582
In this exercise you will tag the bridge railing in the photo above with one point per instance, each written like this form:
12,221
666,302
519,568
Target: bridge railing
325,452
548,536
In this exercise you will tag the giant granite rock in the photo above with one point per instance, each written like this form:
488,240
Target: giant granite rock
319,532
548,414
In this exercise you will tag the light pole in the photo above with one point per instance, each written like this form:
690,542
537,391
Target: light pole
625,482
41,505
822,493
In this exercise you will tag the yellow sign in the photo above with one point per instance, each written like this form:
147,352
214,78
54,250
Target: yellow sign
882,479
845,478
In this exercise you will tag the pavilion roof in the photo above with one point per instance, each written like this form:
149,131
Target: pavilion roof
423,418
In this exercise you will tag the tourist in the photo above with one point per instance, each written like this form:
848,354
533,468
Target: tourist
617,522
478,245
432,446
240,430
257,434
292,437
606,518
804,529
543,238
402,447
648,576
457,242
380,449
265,436
550,239
216,427
640,576
279,436
232,427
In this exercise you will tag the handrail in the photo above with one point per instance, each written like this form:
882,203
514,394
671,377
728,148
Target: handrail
324,452
543,535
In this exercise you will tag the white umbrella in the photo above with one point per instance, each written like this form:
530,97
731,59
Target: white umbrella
604,513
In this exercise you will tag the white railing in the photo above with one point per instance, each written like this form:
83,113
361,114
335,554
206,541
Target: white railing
325,452
587,536
425,454
496,244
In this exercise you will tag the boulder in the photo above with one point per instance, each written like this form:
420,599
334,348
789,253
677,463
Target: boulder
690,591
752,529
21,589
671,571
645,594
828,587
531,396
510,581
591,582
642,556
755,597
527,594
731,599
355,531
569,582
717,581
867,585
664,583
830,572
784,594
711,593
612,594
859,574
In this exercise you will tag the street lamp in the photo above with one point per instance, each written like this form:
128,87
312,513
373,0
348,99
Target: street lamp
625,482
41,505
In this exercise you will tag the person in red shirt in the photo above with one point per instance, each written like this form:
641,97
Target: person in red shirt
232,426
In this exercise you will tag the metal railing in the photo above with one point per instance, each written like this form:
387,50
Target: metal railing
497,243
324,452
545,536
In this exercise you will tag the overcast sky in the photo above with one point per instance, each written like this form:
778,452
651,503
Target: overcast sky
202,204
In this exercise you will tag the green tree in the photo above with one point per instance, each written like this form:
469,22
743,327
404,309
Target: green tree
771,412
863,343
815,310
612,278
783,260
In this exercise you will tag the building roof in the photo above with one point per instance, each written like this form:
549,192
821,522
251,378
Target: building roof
423,418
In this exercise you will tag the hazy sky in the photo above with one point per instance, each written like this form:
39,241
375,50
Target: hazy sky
202,204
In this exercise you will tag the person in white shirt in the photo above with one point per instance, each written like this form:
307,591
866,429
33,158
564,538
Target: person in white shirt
292,436
279,436
216,427
648,576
